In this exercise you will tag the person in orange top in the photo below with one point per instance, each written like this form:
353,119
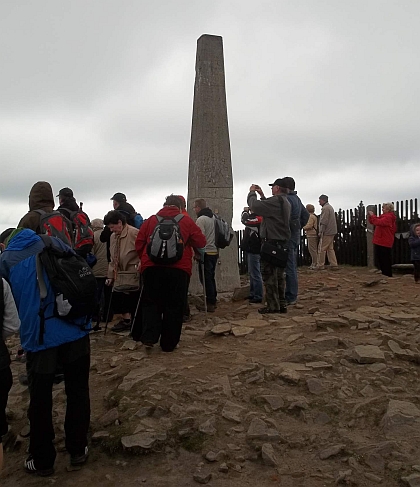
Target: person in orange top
165,285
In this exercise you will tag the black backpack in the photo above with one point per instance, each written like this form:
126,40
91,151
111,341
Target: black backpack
72,281
223,233
166,245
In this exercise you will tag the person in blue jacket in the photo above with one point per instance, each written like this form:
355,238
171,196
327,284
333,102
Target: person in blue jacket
61,343
299,217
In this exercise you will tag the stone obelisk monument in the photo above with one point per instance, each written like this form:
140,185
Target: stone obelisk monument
210,165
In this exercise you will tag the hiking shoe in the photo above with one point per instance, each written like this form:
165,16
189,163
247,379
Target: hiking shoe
211,308
58,378
122,326
78,460
29,465
283,309
320,268
264,311
334,268
255,300
291,303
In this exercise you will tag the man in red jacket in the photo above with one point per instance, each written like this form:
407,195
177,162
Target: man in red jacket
165,285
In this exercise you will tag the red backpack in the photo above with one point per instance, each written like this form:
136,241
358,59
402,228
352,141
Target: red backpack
83,233
55,224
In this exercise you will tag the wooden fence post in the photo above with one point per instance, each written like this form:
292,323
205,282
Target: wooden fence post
369,238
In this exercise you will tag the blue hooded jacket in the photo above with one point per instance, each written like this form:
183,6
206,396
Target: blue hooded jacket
299,217
18,267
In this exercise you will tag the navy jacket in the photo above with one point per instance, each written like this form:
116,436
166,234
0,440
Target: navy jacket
414,242
299,217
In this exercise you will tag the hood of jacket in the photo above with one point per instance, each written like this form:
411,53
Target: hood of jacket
41,196
413,229
22,240
126,208
69,203
205,212
170,211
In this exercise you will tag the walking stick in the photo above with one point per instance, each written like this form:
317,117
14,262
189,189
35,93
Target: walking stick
137,308
319,249
204,287
109,309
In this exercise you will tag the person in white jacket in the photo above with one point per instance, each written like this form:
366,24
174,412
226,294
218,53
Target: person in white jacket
9,324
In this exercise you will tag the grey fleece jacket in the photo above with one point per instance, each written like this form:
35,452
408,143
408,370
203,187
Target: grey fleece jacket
276,216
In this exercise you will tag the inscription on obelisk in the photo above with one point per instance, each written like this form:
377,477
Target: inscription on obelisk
210,165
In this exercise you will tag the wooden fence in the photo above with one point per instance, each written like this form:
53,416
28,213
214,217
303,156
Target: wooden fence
350,241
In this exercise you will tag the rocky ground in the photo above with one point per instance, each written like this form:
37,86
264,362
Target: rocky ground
326,395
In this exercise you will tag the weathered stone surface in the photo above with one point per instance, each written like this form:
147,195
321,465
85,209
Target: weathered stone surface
221,329
232,411
110,417
145,440
202,478
355,318
401,419
315,386
129,345
403,353
240,293
251,323
412,480
331,322
241,331
258,430
331,451
293,338
318,365
268,455
290,376
138,375
324,343
208,427
100,435
275,402
368,354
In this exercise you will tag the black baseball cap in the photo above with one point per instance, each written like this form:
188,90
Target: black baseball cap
278,182
119,197
65,192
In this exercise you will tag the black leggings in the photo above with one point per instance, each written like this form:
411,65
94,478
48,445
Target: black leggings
383,256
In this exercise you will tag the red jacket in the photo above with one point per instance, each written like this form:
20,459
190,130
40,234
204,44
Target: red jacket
191,234
385,229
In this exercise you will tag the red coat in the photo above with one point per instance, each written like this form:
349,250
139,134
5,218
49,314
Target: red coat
385,229
191,234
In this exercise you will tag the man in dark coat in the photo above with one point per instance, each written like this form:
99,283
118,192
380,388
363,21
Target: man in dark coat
119,202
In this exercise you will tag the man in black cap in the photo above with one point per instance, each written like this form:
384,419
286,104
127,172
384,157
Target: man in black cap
119,201
276,231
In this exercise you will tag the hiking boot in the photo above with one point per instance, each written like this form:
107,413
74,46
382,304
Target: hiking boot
58,378
211,308
291,303
283,309
264,311
255,300
78,460
320,268
334,268
122,326
29,465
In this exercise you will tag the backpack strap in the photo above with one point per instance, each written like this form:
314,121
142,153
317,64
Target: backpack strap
159,218
179,217
40,212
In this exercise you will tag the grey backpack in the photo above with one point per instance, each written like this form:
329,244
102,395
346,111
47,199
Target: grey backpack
166,245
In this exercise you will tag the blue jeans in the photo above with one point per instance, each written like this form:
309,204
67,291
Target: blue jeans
210,262
255,279
291,274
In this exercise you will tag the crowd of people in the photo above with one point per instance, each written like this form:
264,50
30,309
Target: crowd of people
139,270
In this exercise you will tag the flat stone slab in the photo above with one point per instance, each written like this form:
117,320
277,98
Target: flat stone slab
258,430
331,451
405,317
331,322
242,331
355,318
221,329
275,402
368,354
324,343
251,323
268,455
144,441
138,375
401,419
232,411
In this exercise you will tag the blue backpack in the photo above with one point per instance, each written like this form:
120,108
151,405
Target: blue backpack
138,220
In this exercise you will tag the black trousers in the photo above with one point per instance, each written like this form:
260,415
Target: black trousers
6,382
416,264
74,357
162,306
383,257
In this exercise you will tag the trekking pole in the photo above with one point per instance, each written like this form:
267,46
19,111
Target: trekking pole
137,308
109,309
319,249
204,287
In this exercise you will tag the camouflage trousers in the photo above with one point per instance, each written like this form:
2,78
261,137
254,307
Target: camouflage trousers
274,279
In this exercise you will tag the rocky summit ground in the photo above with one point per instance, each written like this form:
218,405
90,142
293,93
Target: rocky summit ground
328,394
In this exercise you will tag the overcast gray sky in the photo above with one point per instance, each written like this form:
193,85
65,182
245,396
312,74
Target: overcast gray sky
97,95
